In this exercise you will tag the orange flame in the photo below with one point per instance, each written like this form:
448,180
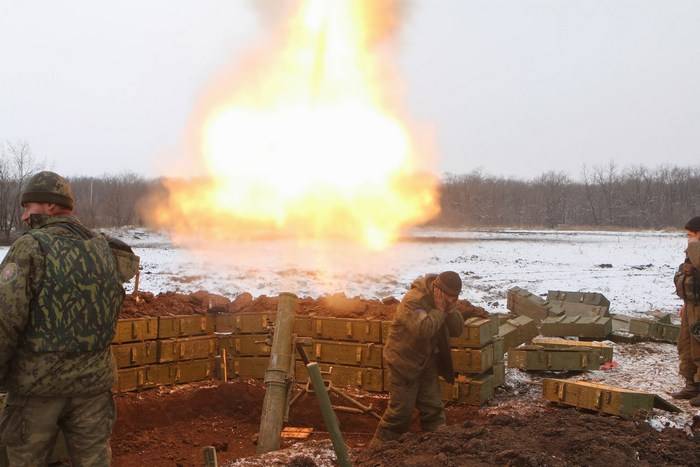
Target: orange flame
308,142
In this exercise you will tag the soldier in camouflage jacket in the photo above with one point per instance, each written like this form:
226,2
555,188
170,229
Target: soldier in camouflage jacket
417,351
60,295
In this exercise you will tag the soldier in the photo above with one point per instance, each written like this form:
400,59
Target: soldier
417,351
60,294
687,281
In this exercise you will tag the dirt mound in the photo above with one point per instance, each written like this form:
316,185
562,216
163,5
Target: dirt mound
337,305
551,437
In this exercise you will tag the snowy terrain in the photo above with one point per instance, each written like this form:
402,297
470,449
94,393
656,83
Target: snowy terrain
633,269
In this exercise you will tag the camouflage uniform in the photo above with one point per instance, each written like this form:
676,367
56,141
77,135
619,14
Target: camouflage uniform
60,294
416,352
687,281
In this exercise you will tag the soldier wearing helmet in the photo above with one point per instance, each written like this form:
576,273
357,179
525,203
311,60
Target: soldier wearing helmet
60,295
687,282
418,351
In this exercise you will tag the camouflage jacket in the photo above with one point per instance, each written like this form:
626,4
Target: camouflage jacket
687,278
418,335
42,373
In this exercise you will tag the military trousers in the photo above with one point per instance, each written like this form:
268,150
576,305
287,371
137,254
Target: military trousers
689,346
29,426
422,393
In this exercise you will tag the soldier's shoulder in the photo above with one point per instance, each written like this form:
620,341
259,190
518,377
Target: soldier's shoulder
24,245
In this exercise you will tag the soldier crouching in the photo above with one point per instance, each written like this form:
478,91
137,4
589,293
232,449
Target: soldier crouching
417,352
60,296
687,281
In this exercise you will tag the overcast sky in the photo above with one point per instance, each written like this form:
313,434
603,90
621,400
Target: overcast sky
514,87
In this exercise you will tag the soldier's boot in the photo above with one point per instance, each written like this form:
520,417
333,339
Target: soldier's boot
380,437
690,391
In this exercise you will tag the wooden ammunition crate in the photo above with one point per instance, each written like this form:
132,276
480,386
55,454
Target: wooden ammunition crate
517,331
537,358
143,377
185,325
655,330
248,367
499,374
499,352
369,379
245,344
135,353
136,329
472,391
606,350
343,329
477,333
557,308
190,348
523,303
191,370
345,353
585,298
602,398
386,325
245,323
577,326
473,360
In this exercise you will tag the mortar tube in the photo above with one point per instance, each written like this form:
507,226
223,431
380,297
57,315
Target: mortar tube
276,376
329,418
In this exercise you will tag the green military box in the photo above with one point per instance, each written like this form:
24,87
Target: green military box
369,379
537,358
248,367
475,390
473,360
245,344
143,377
606,350
517,331
345,353
558,308
185,325
135,353
602,398
135,329
620,323
523,303
477,333
576,326
245,323
386,325
499,352
343,329
191,370
655,330
585,298
190,348
499,374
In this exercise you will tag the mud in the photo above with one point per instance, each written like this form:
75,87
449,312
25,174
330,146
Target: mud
337,305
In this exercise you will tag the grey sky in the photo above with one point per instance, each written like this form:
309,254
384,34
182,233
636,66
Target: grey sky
515,87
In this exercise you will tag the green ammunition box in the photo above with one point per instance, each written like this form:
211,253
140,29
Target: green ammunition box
135,353
537,358
557,308
385,331
245,323
477,333
473,360
475,390
654,330
136,329
499,374
248,367
185,325
245,344
343,329
517,331
585,298
602,398
576,326
190,371
369,379
606,350
143,377
523,303
499,353
190,348
620,323
345,353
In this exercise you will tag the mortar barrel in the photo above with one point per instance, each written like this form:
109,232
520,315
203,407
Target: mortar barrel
276,376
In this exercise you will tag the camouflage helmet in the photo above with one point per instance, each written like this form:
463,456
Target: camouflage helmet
48,187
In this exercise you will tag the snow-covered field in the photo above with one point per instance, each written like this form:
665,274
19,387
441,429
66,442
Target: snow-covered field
633,269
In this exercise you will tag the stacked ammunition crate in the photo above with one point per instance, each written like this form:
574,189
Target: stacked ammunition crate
170,350
165,350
